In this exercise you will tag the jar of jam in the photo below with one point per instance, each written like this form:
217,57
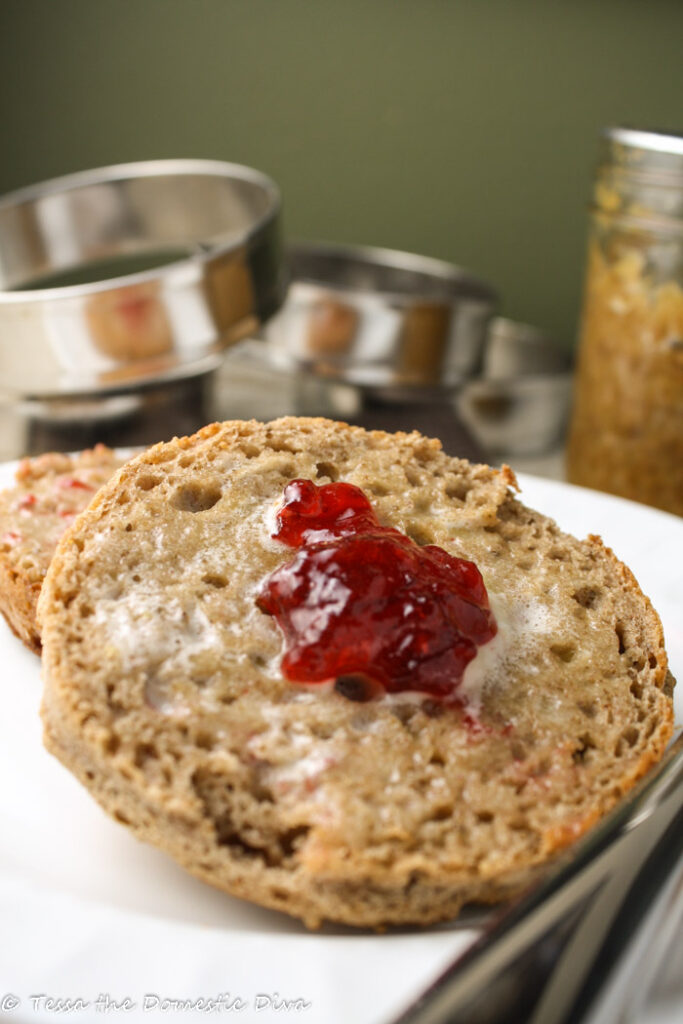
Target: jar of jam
626,434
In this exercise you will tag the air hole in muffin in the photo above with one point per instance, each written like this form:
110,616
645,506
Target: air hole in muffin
250,450
521,825
421,503
378,489
112,743
327,469
293,840
239,847
214,580
484,817
564,651
355,687
437,759
588,708
259,791
458,489
123,498
542,768
525,564
257,659
148,482
120,816
420,533
620,747
587,597
631,735
205,741
433,708
586,743
144,752
185,461
129,527
650,727
518,750
652,660
136,578
196,496
278,445
442,813
558,554
621,634
405,712
287,469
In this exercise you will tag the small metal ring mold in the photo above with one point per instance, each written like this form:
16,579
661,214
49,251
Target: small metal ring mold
133,274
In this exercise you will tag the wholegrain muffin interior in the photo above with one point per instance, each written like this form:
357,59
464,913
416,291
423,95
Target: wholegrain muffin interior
164,695
49,491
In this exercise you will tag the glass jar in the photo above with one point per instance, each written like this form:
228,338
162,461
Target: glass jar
626,434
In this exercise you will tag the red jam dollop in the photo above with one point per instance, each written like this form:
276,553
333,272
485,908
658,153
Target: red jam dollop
364,604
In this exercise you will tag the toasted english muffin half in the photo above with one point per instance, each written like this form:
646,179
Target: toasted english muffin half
164,692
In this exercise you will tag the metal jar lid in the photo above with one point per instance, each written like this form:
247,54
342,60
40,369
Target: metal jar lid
639,178
668,145
207,233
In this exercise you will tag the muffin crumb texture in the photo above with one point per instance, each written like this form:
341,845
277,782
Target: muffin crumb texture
164,696
49,492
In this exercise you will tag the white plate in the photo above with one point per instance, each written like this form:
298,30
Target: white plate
88,911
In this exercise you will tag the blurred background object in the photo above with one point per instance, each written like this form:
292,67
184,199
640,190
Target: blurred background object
459,130
382,318
395,340
133,273
381,338
627,425
466,132
519,404
119,289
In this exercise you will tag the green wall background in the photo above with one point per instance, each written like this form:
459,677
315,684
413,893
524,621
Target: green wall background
465,130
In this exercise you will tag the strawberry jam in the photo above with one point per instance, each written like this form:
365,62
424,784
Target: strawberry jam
71,483
363,604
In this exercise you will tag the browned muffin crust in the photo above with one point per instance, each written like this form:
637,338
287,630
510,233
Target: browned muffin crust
163,692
